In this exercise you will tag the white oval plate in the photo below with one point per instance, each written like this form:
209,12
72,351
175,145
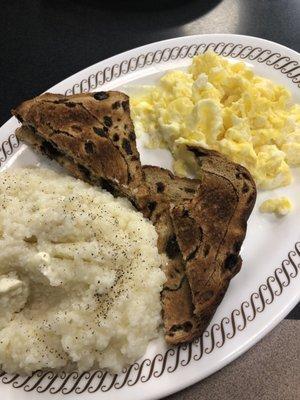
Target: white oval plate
265,290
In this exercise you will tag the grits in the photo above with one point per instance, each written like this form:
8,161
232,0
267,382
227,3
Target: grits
80,275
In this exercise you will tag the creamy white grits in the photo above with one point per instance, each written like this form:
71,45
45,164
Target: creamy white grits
80,275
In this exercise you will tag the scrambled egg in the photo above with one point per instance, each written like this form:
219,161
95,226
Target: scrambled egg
223,106
280,206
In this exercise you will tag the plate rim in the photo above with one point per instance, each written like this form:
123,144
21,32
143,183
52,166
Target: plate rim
173,40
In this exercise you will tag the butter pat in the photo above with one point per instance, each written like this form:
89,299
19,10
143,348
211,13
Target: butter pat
13,295
8,284
280,206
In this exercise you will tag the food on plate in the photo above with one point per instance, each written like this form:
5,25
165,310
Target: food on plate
201,223
206,223
224,106
180,324
280,206
93,132
80,275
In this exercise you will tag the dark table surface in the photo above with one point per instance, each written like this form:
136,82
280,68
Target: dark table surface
44,41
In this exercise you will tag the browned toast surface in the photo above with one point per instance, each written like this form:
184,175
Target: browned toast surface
94,130
207,226
210,229
201,224
38,144
179,322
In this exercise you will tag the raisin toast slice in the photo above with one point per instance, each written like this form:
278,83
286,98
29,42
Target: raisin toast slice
210,229
177,304
94,131
208,222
